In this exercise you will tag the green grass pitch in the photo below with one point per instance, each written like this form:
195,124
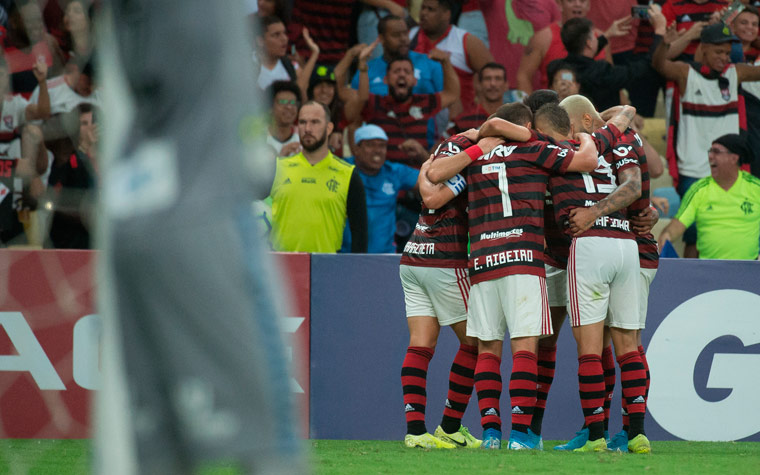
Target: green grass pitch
63,457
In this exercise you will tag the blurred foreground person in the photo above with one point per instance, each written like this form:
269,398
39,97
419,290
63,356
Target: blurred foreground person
185,279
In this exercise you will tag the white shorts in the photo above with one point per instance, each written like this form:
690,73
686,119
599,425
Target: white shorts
556,285
435,292
517,303
603,282
646,276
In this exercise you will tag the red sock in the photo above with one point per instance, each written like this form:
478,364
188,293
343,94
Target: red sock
591,389
646,368
547,357
414,381
461,381
608,366
633,381
488,387
522,389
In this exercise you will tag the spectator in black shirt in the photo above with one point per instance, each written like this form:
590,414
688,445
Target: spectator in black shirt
600,81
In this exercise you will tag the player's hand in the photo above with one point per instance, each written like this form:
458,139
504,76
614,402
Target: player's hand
414,150
40,69
290,149
662,204
645,221
619,27
581,220
487,144
439,55
470,134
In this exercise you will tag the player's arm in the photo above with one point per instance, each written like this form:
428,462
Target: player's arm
496,127
41,109
629,190
356,212
672,231
444,168
451,88
436,195
585,159
531,60
619,116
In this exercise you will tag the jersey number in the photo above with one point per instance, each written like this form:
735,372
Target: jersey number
602,168
501,171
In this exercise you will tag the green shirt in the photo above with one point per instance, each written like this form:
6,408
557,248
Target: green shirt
309,204
728,222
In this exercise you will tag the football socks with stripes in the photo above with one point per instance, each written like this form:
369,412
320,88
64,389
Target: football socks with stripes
414,381
608,366
591,389
633,380
488,386
522,389
461,382
547,358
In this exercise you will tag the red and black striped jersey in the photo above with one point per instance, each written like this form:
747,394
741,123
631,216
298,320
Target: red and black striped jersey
557,242
687,12
440,236
401,121
649,256
575,190
472,118
505,190
329,24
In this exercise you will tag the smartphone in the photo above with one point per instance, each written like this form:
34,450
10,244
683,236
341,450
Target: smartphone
732,11
640,11
567,76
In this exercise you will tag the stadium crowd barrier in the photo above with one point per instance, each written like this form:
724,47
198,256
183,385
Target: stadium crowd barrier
348,333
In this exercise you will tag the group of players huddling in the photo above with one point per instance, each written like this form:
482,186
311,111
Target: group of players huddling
555,202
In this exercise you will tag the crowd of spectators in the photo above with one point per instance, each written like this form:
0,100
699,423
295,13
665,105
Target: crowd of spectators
49,131
408,74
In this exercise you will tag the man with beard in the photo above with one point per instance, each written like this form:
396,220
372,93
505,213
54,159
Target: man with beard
402,114
382,182
492,81
314,192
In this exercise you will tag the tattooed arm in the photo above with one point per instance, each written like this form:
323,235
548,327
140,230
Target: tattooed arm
629,190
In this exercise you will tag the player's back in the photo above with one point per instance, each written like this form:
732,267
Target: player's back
440,235
506,189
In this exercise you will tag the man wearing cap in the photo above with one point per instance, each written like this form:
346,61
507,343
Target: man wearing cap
314,192
382,182
725,205
705,106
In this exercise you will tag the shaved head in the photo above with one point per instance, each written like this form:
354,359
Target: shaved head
583,115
